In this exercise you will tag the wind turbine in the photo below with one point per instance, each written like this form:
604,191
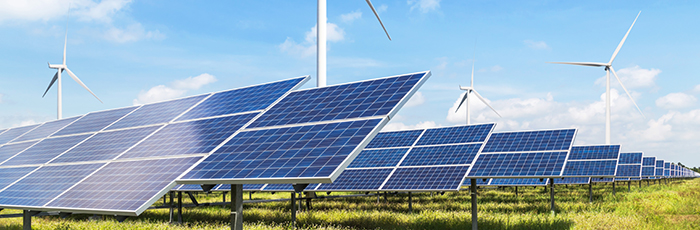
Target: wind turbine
470,89
57,77
321,40
608,68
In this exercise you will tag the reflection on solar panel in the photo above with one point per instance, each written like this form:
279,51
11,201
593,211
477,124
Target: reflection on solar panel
573,180
519,182
78,168
309,136
525,154
629,165
594,160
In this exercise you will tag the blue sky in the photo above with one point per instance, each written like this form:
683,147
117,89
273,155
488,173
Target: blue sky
131,52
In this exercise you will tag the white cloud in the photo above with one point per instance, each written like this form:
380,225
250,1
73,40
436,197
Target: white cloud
416,100
177,89
696,89
424,6
633,77
676,101
45,10
308,47
538,45
395,126
350,17
382,8
132,33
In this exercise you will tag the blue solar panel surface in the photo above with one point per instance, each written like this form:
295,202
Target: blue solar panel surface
596,179
572,180
45,150
192,137
157,113
628,171
105,145
530,141
361,179
378,158
595,152
362,99
458,134
124,185
244,99
395,139
441,155
94,122
531,164
426,178
7,151
590,168
13,133
649,161
519,182
648,171
9,175
659,163
45,129
45,184
630,158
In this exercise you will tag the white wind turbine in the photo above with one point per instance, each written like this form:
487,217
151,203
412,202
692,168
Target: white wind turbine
57,78
608,69
470,89
321,40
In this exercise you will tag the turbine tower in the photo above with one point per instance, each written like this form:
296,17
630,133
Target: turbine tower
321,40
608,68
57,78
470,89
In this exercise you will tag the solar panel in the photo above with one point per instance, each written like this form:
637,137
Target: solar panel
597,179
648,166
46,129
79,168
427,178
519,182
453,135
395,139
442,155
628,170
96,121
309,136
592,160
13,133
524,154
572,180
370,158
629,165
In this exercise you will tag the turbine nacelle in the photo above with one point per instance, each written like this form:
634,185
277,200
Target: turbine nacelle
57,66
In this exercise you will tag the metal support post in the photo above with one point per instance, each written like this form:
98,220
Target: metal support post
613,188
179,207
640,183
236,207
311,195
250,195
629,186
590,192
410,202
474,214
551,195
224,196
172,206
516,191
27,220
294,209
385,199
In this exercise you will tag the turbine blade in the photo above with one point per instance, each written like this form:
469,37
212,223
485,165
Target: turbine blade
623,40
72,75
65,41
628,93
466,94
472,73
55,77
593,64
487,104
380,20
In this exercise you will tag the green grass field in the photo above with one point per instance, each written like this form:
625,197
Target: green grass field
672,206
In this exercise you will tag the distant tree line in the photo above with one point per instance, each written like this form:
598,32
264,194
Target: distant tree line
696,169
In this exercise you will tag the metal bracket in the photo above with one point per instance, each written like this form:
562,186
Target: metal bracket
207,187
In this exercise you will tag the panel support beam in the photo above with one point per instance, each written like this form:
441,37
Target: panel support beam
590,192
472,189
179,207
294,210
236,207
27,219
613,188
193,199
410,202
551,195
516,191
172,206
629,186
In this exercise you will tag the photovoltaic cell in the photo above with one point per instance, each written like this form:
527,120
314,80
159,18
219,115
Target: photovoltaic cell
124,185
597,179
648,171
13,133
192,137
362,99
94,122
659,163
519,182
531,164
530,141
395,139
45,184
378,158
441,155
426,178
596,152
628,171
301,151
590,168
630,158
10,150
358,179
243,99
649,161
45,150
105,145
10,175
45,129
457,134
572,180
157,113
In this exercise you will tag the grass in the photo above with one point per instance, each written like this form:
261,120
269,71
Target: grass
672,206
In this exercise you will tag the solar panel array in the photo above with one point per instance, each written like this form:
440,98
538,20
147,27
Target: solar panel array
524,154
120,161
629,166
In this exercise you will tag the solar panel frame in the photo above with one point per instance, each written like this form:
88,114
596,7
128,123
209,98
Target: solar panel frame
628,163
572,180
519,182
603,155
